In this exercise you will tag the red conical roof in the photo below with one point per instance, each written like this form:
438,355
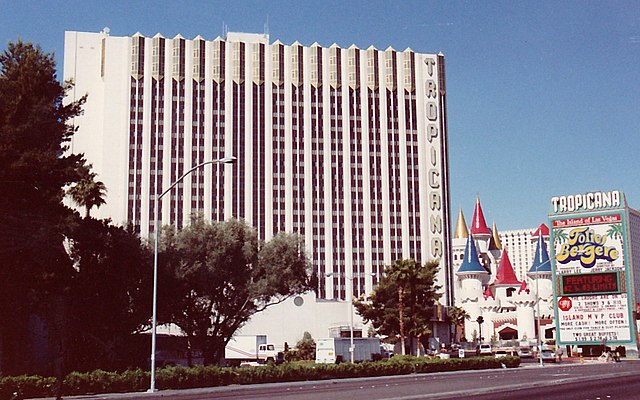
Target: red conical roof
542,230
488,293
505,274
478,225
524,288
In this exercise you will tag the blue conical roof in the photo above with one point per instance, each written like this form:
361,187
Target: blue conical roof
471,263
541,260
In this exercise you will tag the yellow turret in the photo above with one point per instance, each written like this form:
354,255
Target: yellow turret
461,227
496,244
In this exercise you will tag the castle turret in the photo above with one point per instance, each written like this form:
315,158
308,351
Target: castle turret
459,241
525,302
494,250
461,227
543,231
479,229
506,283
471,274
540,273
495,243
490,307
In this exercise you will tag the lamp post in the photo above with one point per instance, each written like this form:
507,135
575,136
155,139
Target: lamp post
541,249
223,160
538,314
480,321
539,335
351,345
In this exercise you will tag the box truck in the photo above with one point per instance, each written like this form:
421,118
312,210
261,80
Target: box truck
251,348
336,350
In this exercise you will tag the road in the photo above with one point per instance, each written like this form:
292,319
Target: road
566,381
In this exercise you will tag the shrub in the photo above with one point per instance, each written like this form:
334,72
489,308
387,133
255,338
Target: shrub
19,387
192,377
99,381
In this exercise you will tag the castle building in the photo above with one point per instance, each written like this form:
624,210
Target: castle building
510,299
345,146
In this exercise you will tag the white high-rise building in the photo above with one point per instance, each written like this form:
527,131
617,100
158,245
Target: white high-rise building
521,245
345,146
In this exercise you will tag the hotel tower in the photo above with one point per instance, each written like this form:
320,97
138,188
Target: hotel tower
345,146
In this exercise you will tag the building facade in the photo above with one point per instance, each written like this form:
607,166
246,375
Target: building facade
345,146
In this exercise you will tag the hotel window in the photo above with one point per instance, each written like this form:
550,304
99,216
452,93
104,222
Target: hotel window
102,51
137,56
178,56
198,59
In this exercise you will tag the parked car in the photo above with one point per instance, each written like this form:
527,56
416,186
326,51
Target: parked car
547,355
385,353
251,364
484,350
525,352
501,353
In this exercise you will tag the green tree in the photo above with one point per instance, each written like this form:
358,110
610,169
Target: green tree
88,192
403,302
402,271
34,168
305,349
494,339
215,276
110,292
457,316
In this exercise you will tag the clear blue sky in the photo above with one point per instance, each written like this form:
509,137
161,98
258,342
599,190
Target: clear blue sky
543,96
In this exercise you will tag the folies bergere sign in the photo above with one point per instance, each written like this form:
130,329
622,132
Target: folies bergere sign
592,294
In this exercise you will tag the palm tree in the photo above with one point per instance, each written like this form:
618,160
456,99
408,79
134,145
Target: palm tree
402,272
561,236
88,192
458,315
615,231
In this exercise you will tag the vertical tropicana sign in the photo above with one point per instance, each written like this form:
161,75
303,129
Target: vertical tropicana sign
592,292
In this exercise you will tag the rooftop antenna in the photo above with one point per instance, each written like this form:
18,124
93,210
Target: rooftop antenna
266,26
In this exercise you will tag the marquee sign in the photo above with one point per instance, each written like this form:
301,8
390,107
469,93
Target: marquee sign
592,295
587,202
594,319
603,282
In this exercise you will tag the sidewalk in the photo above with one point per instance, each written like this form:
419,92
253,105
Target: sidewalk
574,360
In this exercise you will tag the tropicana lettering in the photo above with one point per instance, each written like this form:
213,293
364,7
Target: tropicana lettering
434,179
587,246
587,201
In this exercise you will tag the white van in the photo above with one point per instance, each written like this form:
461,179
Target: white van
484,350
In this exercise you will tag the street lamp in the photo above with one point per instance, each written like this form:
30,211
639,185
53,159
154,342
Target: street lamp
542,258
480,321
223,160
538,312
537,269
